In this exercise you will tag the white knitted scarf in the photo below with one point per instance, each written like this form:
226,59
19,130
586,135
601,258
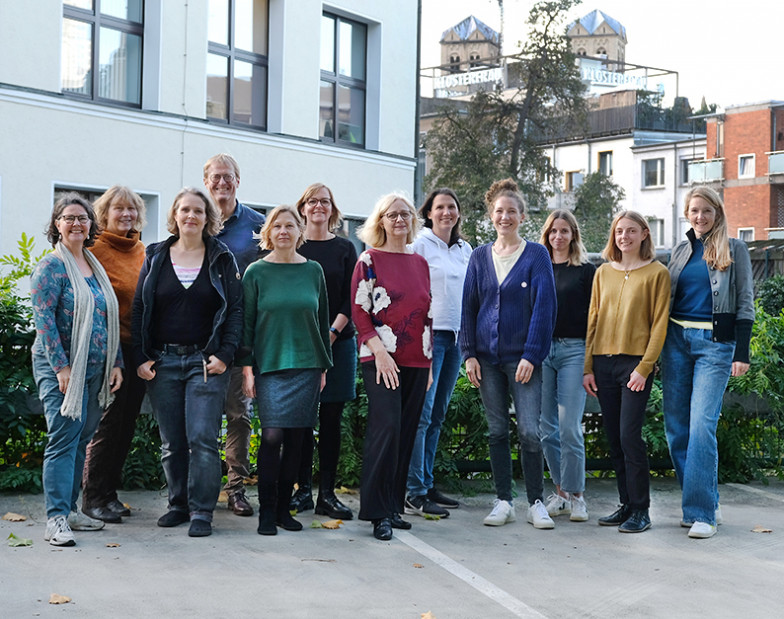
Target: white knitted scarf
84,305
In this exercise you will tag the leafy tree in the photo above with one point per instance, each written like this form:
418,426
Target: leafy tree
496,134
596,201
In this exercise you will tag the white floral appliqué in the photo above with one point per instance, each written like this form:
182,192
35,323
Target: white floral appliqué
363,296
365,257
381,299
387,337
427,343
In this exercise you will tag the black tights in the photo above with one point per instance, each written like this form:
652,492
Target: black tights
330,414
275,467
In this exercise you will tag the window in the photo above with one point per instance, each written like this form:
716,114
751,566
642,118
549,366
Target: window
102,50
572,181
685,170
454,63
474,60
746,234
342,100
606,163
652,173
746,166
657,231
237,62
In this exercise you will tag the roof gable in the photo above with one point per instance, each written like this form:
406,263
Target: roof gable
596,18
469,26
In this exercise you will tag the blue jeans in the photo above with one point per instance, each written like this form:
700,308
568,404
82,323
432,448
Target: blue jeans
68,438
446,367
695,371
497,384
563,404
188,412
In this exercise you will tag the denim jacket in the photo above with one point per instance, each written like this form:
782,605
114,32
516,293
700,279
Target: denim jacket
225,278
732,291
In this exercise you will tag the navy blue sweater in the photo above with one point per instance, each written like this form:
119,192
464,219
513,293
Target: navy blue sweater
513,321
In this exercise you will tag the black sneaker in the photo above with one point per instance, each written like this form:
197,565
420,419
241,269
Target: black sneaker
435,496
421,505
199,528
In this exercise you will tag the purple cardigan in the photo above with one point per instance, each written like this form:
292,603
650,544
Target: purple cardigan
513,321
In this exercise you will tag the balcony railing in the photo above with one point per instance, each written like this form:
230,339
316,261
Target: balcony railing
707,171
776,162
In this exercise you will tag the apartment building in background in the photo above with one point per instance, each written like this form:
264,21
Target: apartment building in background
97,92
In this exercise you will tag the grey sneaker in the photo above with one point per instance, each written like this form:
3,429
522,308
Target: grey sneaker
58,533
82,522
557,505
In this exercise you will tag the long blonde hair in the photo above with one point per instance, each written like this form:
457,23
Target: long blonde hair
716,243
611,251
577,254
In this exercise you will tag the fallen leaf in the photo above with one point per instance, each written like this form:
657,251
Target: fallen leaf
428,615
760,529
223,497
431,517
56,598
419,566
14,541
113,545
316,524
332,524
344,490
12,517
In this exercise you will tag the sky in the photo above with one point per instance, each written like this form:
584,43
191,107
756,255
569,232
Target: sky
728,51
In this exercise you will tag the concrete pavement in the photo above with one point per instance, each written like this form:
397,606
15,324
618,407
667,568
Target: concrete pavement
454,568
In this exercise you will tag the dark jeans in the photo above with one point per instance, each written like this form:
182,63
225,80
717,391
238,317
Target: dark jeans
623,415
393,418
189,412
109,448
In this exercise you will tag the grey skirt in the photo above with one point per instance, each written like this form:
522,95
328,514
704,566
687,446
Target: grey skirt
288,398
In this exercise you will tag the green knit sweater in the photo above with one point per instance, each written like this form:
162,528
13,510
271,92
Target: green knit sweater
286,317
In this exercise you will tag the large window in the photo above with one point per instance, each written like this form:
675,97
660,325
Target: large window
102,50
652,173
237,62
343,75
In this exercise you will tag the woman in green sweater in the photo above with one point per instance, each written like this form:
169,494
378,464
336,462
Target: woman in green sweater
286,336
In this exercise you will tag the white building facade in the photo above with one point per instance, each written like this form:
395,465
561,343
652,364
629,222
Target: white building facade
141,93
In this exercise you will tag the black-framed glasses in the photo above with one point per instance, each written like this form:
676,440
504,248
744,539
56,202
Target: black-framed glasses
325,202
70,219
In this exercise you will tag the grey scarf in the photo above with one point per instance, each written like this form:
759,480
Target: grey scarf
84,305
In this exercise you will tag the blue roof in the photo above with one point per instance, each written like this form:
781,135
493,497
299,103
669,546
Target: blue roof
467,27
594,19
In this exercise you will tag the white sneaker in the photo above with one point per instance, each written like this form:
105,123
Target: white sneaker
558,505
58,533
718,517
579,509
503,512
538,516
702,530
82,522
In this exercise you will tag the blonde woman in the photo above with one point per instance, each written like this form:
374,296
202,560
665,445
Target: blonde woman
563,396
711,315
627,324
287,332
391,310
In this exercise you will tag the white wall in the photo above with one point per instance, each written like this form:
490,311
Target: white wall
50,140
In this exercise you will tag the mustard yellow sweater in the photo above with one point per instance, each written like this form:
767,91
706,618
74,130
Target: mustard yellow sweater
628,316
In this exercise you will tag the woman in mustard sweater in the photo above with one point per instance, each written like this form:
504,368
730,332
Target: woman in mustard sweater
627,324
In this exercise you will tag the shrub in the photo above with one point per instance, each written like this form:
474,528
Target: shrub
771,295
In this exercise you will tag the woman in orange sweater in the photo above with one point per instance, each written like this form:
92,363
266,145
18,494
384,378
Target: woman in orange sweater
120,216
627,324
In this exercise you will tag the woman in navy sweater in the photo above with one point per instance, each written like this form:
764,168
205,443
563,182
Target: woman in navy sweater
509,311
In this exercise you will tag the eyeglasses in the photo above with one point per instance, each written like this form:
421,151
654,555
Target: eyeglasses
316,201
70,219
216,178
404,215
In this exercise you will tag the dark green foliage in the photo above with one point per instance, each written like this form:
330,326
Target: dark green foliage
771,295
596,201
353,427
142,468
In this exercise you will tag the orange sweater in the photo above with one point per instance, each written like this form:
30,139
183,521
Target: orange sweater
628,316
122,257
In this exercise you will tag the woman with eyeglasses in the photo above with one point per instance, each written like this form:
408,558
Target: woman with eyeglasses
76,358
391,310
337,258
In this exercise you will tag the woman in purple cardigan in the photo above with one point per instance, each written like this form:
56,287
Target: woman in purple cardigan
509,311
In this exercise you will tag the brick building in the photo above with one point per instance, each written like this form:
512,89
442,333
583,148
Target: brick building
745,162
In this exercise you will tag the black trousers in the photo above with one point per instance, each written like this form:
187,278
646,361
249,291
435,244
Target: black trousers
623,415
393,418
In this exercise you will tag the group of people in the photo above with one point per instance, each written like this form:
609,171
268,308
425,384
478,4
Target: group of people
234,308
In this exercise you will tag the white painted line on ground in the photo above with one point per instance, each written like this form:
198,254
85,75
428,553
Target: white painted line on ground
767,495
485,587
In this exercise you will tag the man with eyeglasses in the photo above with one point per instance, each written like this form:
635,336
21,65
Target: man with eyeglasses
221,178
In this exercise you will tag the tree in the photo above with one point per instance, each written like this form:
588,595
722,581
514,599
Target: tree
595,203
496,134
